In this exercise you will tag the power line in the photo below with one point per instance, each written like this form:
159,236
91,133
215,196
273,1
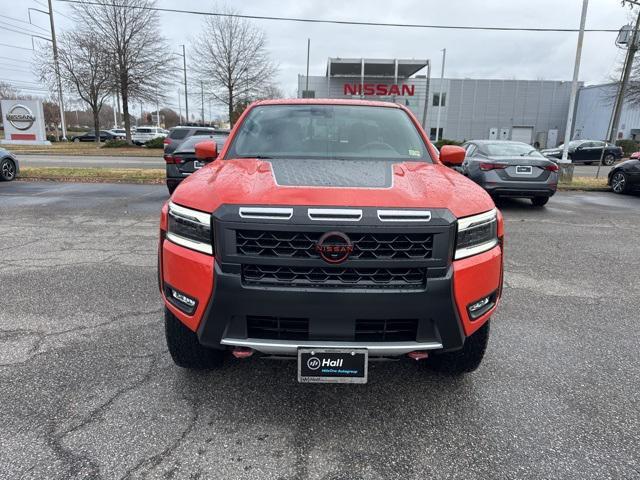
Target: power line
54,11
8,67
23,33
345,22
22,21
15,46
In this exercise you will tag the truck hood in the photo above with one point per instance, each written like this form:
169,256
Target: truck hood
348,183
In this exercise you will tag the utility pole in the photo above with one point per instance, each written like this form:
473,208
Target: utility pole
179,107
566,171
612,133
186,95
306,88
444,56
57,67
202,99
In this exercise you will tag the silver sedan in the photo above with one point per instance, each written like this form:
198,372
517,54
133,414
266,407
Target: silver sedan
9,167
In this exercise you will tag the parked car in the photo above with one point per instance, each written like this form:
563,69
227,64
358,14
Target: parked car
144,134
179,134
625,177
587,151
9,166
329,247
120,133
511,169
182,162
91,136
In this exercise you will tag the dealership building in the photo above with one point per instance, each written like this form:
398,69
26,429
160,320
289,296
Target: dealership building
532,111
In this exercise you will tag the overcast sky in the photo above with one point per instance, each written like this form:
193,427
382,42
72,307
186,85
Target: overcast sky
475,54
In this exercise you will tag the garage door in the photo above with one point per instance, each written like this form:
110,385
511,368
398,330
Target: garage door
522,134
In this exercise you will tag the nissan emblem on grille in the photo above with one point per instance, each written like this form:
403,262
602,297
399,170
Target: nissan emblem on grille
334,247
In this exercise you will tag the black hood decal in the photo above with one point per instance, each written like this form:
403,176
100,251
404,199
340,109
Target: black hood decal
333,173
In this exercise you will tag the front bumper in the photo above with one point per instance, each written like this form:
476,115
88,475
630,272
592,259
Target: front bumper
331,316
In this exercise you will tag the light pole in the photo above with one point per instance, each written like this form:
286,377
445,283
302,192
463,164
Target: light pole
566,171
186,95
444,56
57,67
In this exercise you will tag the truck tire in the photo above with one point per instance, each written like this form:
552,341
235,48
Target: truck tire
465,360
184,347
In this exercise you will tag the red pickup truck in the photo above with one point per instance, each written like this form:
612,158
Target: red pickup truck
333,233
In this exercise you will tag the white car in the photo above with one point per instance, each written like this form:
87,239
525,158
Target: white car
144,134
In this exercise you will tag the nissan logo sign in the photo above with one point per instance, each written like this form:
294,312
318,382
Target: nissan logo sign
21,117
334,247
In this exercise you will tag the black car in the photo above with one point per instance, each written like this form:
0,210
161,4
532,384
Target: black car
511,169
91,136
587,151
177,135
9,167
182,161
625,177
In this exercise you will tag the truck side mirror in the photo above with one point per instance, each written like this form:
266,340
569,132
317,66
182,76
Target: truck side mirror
452,155
206,151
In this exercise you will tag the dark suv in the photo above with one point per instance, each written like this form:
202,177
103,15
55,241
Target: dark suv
182,162
179,134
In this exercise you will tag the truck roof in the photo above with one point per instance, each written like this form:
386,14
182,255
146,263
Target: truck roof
326,101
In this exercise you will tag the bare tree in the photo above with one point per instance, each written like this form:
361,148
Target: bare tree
140,55
231,58
85,69
7,91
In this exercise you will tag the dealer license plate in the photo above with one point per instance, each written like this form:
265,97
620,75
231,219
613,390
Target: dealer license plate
332,365
524,170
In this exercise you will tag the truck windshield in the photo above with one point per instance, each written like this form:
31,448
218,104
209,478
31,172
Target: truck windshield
328,132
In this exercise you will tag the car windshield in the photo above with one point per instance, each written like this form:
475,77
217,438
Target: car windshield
505,149
328,132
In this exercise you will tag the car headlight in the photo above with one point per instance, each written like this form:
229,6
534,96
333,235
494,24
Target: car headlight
190,228
477,234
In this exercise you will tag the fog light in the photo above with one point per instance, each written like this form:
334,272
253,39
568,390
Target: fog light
180,300
478,305
183,298
482,306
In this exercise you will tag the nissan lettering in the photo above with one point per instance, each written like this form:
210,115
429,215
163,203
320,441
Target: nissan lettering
332,233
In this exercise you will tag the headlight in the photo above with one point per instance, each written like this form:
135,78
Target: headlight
476,234
190,228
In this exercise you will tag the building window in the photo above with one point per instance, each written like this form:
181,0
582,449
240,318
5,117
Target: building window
436,99
432,134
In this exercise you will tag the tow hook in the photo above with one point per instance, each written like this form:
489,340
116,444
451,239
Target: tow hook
242,352
418,355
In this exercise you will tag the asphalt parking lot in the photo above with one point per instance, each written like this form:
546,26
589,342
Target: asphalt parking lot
87,388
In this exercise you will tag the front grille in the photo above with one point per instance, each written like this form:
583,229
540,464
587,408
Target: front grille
277,328
375,246
333,277
393,330
366,330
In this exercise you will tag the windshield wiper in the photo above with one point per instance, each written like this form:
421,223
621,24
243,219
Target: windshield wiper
259,157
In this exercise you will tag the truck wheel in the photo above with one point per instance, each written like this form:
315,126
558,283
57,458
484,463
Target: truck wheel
465,360
539,201
184,347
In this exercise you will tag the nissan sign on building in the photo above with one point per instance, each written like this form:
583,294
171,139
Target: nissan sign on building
531,111
23,122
